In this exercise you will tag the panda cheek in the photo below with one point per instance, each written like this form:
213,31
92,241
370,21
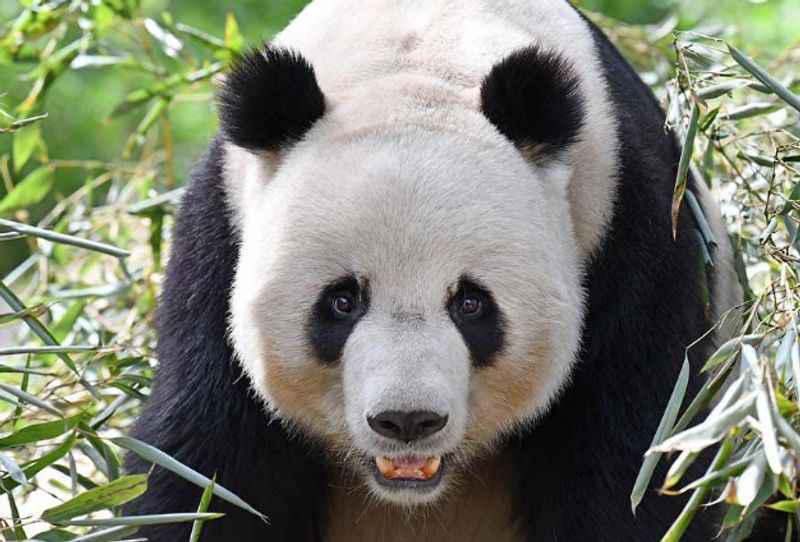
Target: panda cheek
303,394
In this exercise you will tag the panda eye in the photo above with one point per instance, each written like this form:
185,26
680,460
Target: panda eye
343,304
471,306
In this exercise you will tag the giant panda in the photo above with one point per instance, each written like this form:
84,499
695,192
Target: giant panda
423,285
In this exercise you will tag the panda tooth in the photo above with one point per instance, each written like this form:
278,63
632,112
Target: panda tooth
432,466
385,466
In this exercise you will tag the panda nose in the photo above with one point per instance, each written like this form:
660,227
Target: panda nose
407,426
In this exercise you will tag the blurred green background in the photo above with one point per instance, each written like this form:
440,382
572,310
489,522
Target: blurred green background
80,103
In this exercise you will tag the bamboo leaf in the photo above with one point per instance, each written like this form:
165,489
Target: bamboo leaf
40,431
41,331
751,110
683,168
205,502
751,480
156,519
116,493
32,469
678,528
788,506
13,470
759,73
233,37
30,399
150,453
26,140
664,428
710,431
108,535
768,436
64,239
33,189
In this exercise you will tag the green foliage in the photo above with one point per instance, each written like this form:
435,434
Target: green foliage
109,101
738,121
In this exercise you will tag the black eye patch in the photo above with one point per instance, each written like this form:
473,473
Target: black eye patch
481,322
340,305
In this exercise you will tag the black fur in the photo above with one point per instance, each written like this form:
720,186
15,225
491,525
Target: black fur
327,331
574,471
201,410
484,335
269,99
533,98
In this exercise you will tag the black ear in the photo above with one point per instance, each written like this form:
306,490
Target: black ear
269,99
533,97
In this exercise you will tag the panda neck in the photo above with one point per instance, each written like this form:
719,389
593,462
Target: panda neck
478,507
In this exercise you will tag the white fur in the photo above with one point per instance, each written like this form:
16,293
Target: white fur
405,183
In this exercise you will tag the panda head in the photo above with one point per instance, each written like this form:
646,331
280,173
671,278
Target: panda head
408,286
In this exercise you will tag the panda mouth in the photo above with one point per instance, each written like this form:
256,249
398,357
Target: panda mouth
410,471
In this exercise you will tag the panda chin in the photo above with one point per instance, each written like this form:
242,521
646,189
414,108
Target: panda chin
408,480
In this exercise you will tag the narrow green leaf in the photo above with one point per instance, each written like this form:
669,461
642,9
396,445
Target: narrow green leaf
64,239
683,167
13,470
25,142
788,506
678,528
767,490
33,468
116,493
20,123
110,460
170,44
233,37
700,219
205,501
151,453
155,519
749,483
41,331
38,310
98,61
40,431
108,535
19,532
663,431
768,433
26,397
722,475
710,431
35,350
751,110
81,479
202,37
33,189
61,329
721,89
788,432
759,73
728,349
678,469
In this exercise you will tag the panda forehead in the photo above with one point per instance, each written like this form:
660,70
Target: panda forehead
410,197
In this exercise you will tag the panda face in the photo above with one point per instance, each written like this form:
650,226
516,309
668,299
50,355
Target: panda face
406,295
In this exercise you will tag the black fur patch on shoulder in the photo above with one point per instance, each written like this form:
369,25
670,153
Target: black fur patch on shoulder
269,99
484,332
202,411
533,98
